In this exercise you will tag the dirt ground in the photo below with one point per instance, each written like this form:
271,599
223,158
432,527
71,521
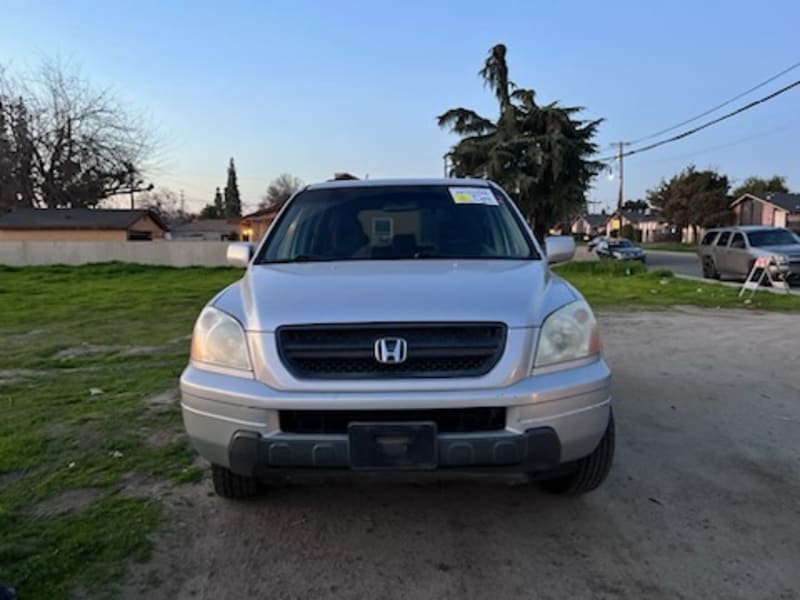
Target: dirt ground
703,500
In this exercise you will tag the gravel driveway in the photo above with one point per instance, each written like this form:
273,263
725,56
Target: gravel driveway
703,502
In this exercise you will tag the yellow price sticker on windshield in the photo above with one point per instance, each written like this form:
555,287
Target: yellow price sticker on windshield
473,195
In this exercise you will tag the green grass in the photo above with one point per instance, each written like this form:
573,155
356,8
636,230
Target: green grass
629,285
56,436
671,247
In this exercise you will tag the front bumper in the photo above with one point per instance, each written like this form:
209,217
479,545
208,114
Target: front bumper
551,418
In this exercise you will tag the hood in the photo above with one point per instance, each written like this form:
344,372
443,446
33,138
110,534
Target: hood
792,250
518,293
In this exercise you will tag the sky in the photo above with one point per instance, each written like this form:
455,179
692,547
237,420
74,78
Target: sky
315,87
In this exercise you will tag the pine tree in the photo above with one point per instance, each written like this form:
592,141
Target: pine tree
219,204
233,203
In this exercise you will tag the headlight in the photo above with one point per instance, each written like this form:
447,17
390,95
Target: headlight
218,339
781,259
617,254
567,334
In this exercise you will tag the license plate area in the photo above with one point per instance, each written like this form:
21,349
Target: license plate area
393,446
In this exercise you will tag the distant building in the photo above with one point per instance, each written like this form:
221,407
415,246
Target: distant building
653,227
253,226
207,229
81,225
589,225
773,209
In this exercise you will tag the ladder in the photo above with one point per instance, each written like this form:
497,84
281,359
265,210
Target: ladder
763,271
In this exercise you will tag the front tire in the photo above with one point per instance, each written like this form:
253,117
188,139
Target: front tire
228,484
709,268
590,472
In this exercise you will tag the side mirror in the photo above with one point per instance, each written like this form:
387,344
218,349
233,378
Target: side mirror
559,248
239,254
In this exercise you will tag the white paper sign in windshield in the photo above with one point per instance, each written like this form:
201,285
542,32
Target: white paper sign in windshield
473,195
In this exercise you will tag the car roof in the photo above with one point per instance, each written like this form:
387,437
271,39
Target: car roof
745,228
351,183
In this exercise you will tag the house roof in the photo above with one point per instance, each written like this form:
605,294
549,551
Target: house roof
596,220
263,213
75,218
633,216
788,202
207,225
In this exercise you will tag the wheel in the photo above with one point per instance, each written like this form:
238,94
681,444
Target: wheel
709,268
590,471
228,484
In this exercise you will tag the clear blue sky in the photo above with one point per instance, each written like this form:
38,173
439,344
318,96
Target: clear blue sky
313,87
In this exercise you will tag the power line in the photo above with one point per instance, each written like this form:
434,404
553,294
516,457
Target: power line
715,108
756,136
694,130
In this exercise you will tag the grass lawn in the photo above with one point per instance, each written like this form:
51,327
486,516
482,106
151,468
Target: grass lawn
82,348
671,247
83,353
615,284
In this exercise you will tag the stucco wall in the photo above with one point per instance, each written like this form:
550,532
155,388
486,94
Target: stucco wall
72,235
170,253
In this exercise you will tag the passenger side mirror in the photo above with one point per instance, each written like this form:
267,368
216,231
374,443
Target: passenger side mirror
559,248
239,254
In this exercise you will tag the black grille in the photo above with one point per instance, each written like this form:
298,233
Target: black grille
447,420
434,350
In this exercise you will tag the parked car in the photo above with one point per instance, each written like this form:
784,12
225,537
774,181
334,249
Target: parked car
620,249
412,325
732,251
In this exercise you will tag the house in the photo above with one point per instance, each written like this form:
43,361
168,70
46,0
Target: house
252,227
774,209
653,227
207,229
81,225
589,225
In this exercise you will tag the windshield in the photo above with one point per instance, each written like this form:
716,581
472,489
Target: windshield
620,244
396,222
772,237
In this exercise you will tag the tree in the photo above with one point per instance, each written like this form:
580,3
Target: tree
166,204
635,205
215,210
694,199
233,203
71,144
539,154
280,190
760,187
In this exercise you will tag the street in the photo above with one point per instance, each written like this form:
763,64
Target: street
702,501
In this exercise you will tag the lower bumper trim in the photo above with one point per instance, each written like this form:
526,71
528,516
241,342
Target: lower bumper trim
536,449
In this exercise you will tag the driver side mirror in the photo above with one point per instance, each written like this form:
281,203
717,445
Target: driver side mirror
239,254
559,249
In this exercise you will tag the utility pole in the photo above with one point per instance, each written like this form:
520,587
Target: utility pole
621,194
183,204
620,197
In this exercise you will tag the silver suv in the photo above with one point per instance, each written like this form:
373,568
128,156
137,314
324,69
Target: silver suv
399,325
732,251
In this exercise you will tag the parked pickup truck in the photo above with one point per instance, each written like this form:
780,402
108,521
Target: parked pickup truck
732,251
399,325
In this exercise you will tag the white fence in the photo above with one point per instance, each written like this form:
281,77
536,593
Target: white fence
169,253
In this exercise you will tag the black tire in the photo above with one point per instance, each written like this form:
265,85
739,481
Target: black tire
228,484
709,268
590,472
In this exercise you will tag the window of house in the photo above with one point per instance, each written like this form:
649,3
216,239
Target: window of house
140,236
723,238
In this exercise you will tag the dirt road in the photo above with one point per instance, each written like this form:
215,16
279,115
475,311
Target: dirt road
703,501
